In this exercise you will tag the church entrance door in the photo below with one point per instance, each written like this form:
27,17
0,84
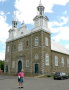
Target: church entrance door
36,68
19,66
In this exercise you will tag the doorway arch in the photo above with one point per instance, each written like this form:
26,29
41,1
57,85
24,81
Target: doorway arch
19,66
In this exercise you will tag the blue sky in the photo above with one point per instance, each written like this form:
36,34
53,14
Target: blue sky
25,10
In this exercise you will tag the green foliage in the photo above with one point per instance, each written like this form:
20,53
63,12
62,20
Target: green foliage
49,75
2,65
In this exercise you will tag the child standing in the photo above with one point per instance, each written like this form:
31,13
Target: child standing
21,78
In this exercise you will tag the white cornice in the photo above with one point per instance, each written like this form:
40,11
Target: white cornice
33,31
40,16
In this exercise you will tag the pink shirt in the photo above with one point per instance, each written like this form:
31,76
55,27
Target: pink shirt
21,74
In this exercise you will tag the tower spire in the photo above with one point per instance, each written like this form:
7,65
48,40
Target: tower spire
40,3
14,22
40,8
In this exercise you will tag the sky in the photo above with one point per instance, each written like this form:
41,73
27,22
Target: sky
25,10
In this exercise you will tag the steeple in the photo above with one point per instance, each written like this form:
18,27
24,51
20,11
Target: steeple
14,24
13,30
40,20
40,8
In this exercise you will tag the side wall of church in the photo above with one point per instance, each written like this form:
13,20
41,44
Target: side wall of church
61,67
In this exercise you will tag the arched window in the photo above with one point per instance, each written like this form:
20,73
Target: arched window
56,60
14,47
36,57
46,59
62,62
20,46
27,63
46,41
67,62
27,43
8,48
36,41
13,64
6,68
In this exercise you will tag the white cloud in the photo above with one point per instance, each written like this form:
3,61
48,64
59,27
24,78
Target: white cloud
8,13
2,13
60,2
62,21
60,25
67,46
2,55
4,27
26,9
65,12
63,34
65,20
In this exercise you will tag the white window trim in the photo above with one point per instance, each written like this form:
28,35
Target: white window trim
62,61
27,63
67,62
36,41
56,60
8,48
47,59
13,64
46,41
36,57
20,46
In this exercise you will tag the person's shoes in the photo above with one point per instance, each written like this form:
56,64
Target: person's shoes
19,87
22,87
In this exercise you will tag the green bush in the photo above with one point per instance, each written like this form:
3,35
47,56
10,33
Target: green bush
49,76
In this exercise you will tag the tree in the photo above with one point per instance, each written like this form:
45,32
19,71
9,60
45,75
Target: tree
2,65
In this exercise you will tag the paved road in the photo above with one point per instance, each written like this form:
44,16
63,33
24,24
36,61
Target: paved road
10,83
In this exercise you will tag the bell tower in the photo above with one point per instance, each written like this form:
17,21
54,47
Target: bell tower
41,27
40,20
13,30
14,22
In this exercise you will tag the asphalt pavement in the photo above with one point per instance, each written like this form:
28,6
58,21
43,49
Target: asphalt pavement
33,83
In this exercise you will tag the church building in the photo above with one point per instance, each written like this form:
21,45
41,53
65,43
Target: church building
34,51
